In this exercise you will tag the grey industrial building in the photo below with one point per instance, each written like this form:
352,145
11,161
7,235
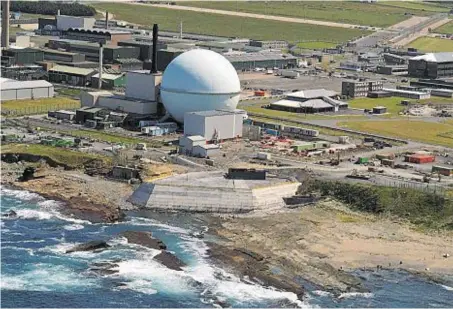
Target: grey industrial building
62,56
262,60
357,88
269,44
104,36
392,69
445,83
214,125
418,95
21,90
21,56
310,101
145,48
432,65
71,75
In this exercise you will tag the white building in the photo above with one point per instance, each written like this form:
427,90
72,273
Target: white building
65,22
22,90
214,124
142,85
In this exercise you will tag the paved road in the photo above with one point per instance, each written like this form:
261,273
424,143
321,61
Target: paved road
252,15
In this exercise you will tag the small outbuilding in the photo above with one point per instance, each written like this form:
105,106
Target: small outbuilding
22,90
379,110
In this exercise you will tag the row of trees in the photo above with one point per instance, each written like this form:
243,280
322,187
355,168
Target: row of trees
51,8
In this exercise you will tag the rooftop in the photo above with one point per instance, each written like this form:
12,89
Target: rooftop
72,70
98,31
15,84
196,138
312,93
435,57
259,57
313,103
212,113
108,76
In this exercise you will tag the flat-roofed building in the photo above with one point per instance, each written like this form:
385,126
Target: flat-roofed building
432,65
22,90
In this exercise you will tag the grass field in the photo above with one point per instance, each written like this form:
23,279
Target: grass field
111,138
376,15
416,5
29,107
428,132
392,104
230,26
445,29
428,44
316,45
69,92
60,155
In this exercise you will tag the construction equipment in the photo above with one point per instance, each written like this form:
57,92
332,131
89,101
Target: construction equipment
356,175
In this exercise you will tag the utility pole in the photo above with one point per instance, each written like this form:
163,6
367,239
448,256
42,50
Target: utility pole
180,29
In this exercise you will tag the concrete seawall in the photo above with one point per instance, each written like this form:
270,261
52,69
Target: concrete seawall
211,192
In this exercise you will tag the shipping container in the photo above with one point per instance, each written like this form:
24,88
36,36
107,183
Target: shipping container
259,93
420,159
362,160
388,162
263,156
387,156
443,170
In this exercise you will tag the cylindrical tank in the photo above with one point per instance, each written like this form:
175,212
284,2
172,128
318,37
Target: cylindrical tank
199,80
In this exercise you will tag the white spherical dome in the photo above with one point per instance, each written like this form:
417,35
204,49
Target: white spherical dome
199,80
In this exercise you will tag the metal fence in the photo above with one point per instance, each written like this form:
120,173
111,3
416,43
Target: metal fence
34,110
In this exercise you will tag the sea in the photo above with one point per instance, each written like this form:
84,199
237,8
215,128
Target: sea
36,272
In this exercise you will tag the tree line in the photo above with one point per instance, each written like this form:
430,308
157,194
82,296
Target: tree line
51,8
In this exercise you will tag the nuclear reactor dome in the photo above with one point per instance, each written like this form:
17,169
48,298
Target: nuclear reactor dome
199,80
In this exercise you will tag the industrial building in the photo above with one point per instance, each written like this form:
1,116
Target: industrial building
417,95
64,22
432,65
446,93
109,81
379,110
310,101
446,83
393,59
71,75
250,61
354,88
392,69
21,56
145,48
62,56
104,36
21,90
269,44
214,125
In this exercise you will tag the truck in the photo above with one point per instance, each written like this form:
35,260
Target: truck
289,74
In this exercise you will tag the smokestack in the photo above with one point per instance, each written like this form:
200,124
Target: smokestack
155,35
5,24
58,12
101,50
106,20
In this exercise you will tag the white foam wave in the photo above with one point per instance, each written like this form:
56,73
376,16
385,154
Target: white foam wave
23,241
73,227
355,294
47,215
46,277
141,286
151,222
21,194
321,293
446,287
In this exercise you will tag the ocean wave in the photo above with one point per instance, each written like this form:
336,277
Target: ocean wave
21,194
23,241
446,287
355,294
73,227
48,214
46,277
140,221
321,293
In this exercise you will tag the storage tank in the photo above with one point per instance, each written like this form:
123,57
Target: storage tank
199,80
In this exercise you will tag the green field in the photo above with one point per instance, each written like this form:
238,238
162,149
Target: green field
417,6
59,155
29,107
111,138
230,26
428,132
445,29
376,15
428,44
316,45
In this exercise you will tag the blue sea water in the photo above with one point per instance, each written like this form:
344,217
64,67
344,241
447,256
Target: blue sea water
36,271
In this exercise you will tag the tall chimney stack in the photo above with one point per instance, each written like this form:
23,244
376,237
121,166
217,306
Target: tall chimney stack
5,24
101,59
106,20
58,12
155,35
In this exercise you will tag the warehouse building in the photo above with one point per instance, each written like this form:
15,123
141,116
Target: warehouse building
269,44
393,59
432,65
109,81
62,56
21,90
21,56
392,69
145,48
104,36
446,83
354,88
418,95
446,93
71,75
64,22
251,61
310,101
214,125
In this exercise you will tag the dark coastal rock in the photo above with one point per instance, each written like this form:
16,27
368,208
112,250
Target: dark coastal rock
10,214
249,265
103,272
144,239
89,246
169,260
84,209
28,174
